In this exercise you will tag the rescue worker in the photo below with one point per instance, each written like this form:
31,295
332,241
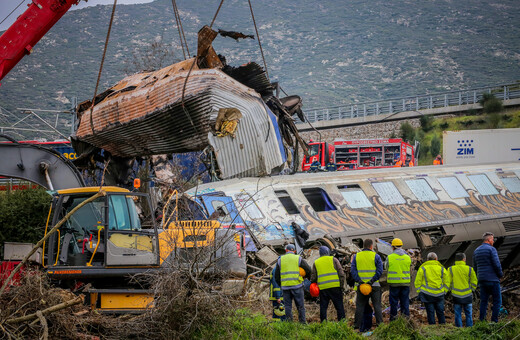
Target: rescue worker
275,295
463,283
489,272
287,276
330,167
315,166
329,275
438,160
398,163
398,264
432,282
367,267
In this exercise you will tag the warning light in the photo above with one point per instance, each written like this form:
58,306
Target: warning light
137,183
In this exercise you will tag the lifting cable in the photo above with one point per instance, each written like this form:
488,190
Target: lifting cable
174,5
191,68
258,36
180,28
101,65
8,15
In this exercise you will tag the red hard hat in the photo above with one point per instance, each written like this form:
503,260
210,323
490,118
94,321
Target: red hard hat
314,290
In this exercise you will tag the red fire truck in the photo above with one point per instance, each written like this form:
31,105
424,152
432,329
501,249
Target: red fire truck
361,154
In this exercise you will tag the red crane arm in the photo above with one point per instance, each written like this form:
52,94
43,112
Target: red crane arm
28,29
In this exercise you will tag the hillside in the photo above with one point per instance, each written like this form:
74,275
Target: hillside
328,52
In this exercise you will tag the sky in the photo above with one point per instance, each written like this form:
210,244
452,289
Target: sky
8,5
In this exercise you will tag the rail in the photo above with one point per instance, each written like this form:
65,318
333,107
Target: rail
412,103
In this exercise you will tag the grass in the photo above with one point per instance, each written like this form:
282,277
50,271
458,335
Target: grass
248,325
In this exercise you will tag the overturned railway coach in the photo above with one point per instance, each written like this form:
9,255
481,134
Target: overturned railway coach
442,209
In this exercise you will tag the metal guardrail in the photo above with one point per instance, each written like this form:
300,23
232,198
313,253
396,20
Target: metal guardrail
415,103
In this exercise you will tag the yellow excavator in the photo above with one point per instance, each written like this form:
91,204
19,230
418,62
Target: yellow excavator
108,240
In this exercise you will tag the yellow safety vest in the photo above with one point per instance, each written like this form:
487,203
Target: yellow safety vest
290,270
463,280
432,279
327,276
398,268
366,265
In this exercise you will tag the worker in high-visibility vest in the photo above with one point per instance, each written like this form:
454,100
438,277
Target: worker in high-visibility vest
330,277
275,295
398,264
367,267
432,282
438,160
463,283
287,276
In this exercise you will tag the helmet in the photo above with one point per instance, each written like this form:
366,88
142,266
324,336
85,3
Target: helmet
280,310
302,272
397,242
290,247
314,290
365,289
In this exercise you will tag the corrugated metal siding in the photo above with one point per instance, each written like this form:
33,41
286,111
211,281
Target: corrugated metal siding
149,119
255,150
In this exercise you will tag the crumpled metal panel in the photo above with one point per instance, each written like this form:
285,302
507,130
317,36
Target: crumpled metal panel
144,114
255,150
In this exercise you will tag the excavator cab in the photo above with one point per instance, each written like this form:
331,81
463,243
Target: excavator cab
112,231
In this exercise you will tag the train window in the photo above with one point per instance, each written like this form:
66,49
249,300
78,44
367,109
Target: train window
421,189
318,199
287,202
355,197
388,193
248,204
453,187
483,184
512,183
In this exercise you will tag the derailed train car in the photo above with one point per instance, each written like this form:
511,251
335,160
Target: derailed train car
443,209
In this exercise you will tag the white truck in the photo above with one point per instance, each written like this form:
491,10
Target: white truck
481,146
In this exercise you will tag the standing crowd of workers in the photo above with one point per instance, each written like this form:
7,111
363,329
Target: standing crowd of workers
433,282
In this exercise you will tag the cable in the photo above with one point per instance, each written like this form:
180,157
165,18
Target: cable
258,36
181,29
8,15
178,27
216,13
101,66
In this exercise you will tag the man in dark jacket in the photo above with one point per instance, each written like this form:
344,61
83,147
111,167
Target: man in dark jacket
367,267
489,271
330,277
287,276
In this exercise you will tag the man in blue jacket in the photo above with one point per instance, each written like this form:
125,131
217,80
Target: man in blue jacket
275,295
489,271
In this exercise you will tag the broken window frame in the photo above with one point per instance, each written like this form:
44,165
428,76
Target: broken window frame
313,196
423,191
287,202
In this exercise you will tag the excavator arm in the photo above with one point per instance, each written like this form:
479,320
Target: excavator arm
39,165
28,29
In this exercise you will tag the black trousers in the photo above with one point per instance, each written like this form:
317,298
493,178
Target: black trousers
362,300
336,295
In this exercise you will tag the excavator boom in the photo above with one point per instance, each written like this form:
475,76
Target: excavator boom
39,165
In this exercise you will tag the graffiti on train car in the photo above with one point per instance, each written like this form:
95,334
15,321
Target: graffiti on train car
413,212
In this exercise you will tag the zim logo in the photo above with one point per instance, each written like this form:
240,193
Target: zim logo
465,147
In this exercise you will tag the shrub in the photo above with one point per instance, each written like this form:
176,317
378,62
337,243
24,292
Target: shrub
407,132
444,125
23,214
467,123
490,103
494,120
435,147
426,122
423,151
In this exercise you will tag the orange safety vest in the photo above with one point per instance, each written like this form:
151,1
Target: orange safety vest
411,163
437,161
398,164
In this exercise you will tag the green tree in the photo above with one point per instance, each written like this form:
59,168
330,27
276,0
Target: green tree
407,132
23,214
426,122
490,103
435,147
